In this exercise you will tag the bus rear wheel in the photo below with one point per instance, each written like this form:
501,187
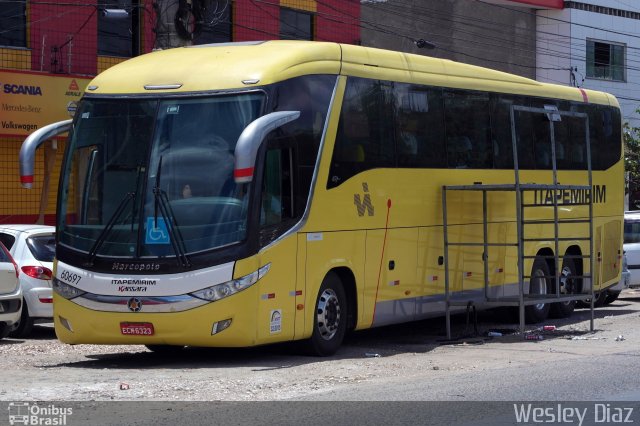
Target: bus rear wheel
600,299
568,285
538,286
612,296
330,318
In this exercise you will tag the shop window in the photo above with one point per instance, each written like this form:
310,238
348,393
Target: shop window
216,23
295,25
118,34
13,24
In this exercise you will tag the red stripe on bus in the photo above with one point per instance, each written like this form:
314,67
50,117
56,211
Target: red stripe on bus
243,172
26,179
584,95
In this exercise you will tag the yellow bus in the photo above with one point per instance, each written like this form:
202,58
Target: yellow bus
249,193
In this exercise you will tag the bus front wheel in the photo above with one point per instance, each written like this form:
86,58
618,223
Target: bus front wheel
330,317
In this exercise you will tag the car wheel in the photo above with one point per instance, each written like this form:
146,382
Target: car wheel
26,323
568,285
4,330
330,319
538,286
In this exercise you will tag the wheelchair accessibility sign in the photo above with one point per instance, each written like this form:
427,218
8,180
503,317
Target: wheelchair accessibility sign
157,232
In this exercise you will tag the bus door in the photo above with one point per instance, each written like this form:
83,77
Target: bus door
279,289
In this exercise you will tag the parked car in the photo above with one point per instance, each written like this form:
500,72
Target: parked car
10,293
632,246
623,284
33,249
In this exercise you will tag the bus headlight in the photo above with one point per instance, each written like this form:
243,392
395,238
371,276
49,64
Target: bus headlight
220,291
65,290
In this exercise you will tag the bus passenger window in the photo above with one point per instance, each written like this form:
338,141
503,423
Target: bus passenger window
419,117
468,129
365,137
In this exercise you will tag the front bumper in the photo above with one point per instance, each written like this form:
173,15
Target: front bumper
76,324
11,307
623,284
634,278
39,300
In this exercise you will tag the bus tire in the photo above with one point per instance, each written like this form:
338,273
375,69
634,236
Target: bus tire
612,296
568,285
538,285
330,317
600,298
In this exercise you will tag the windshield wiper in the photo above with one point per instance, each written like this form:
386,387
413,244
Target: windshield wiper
161,202
93,252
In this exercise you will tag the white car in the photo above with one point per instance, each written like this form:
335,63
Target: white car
632,246
10,293
33,249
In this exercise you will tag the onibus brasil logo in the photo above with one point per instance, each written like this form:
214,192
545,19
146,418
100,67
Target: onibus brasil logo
30,413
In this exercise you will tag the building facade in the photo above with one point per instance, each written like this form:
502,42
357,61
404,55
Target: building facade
49,51
593,44
494,34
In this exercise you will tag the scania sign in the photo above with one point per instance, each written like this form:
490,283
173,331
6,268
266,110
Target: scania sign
19,89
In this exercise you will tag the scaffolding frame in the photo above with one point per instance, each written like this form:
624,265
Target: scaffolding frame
522,299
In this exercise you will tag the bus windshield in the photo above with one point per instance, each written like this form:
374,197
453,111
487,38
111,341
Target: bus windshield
150,177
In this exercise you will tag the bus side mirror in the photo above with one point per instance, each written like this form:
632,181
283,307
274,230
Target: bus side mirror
250,140
27,155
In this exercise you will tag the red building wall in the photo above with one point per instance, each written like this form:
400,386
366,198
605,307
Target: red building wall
338,20
256,21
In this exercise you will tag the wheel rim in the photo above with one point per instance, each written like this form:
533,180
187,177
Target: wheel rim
567,282
538,278
328,314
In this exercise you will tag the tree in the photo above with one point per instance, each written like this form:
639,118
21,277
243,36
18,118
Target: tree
632,163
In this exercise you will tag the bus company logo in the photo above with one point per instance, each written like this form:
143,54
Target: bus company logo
117,266
74,89
542,197
365,204
134,304
25,413
21,89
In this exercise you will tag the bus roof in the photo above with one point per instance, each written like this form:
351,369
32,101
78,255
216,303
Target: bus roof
226,66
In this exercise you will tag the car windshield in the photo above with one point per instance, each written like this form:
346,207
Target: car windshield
43,247
148,176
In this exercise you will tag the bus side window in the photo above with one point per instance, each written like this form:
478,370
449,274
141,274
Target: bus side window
365,138
468,129
419,134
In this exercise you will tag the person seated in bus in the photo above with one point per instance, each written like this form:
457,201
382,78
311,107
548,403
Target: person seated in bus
460,147
408,146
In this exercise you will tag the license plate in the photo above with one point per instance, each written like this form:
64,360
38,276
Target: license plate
136,328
